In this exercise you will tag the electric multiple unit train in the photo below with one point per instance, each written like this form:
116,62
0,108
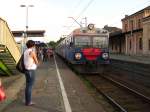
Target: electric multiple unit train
86,49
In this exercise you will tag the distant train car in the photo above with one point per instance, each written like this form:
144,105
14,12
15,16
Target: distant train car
86,49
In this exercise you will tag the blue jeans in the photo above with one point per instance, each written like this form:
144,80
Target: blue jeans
30,78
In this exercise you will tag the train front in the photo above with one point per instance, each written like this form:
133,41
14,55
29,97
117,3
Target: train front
91,49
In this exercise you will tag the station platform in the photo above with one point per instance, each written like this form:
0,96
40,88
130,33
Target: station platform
56,89
129,58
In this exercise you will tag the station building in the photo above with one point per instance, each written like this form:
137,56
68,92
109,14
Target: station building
146,35
136,29
116,40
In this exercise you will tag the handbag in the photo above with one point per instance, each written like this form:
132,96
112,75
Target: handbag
20,65
2,94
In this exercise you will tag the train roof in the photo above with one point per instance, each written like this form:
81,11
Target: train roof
89,30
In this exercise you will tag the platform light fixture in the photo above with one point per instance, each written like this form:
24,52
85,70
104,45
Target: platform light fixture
27,18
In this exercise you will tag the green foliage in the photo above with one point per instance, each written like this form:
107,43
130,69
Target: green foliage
4,68
52,44
61,39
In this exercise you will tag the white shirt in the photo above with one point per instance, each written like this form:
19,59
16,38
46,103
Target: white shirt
28,60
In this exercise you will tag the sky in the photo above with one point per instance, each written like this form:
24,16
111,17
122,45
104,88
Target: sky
53,15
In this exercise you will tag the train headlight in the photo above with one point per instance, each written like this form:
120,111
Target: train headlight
78,56
105,55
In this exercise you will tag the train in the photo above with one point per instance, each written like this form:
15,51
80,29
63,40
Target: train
86,49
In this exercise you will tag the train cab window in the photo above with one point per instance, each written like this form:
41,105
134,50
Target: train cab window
83,41
100,42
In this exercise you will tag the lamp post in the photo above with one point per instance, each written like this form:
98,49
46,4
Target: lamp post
26,26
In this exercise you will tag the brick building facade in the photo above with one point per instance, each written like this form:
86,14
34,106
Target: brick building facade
136,28
146,35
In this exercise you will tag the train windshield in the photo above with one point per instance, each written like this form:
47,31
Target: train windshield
100,42
83,41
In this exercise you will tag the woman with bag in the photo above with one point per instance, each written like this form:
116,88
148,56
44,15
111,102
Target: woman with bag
30,62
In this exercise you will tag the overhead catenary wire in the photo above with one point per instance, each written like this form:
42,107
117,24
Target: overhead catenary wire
90,2
84,9
75,6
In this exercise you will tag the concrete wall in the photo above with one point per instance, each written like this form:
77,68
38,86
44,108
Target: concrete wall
136,28
137,22
146,36
133,44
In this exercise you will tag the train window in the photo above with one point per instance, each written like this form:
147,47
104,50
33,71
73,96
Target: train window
83,41
100,42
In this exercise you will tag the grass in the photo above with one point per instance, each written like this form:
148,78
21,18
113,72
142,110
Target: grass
4,68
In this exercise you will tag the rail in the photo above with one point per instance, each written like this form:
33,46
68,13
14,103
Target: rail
122,97
7,39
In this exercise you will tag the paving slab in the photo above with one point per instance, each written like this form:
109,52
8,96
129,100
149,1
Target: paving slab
47,93
12,87
79,95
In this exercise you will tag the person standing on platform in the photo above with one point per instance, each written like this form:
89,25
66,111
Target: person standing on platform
49,53
41,54
44,54
30,62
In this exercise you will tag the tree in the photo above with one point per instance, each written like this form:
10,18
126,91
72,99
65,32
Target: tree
52,44
61,39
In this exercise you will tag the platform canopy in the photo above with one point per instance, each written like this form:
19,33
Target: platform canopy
30,33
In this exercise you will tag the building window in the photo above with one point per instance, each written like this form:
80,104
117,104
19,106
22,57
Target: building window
140,44
149,44
131,25
112,45
139,23
126,28
130,44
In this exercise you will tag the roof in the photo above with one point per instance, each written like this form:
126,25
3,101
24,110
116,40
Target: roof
146,18
111,29
117,34
85,31
141,11
81,31
30,33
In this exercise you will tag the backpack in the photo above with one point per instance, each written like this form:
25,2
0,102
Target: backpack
20,65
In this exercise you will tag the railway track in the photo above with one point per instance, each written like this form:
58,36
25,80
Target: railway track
122,97
139,73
